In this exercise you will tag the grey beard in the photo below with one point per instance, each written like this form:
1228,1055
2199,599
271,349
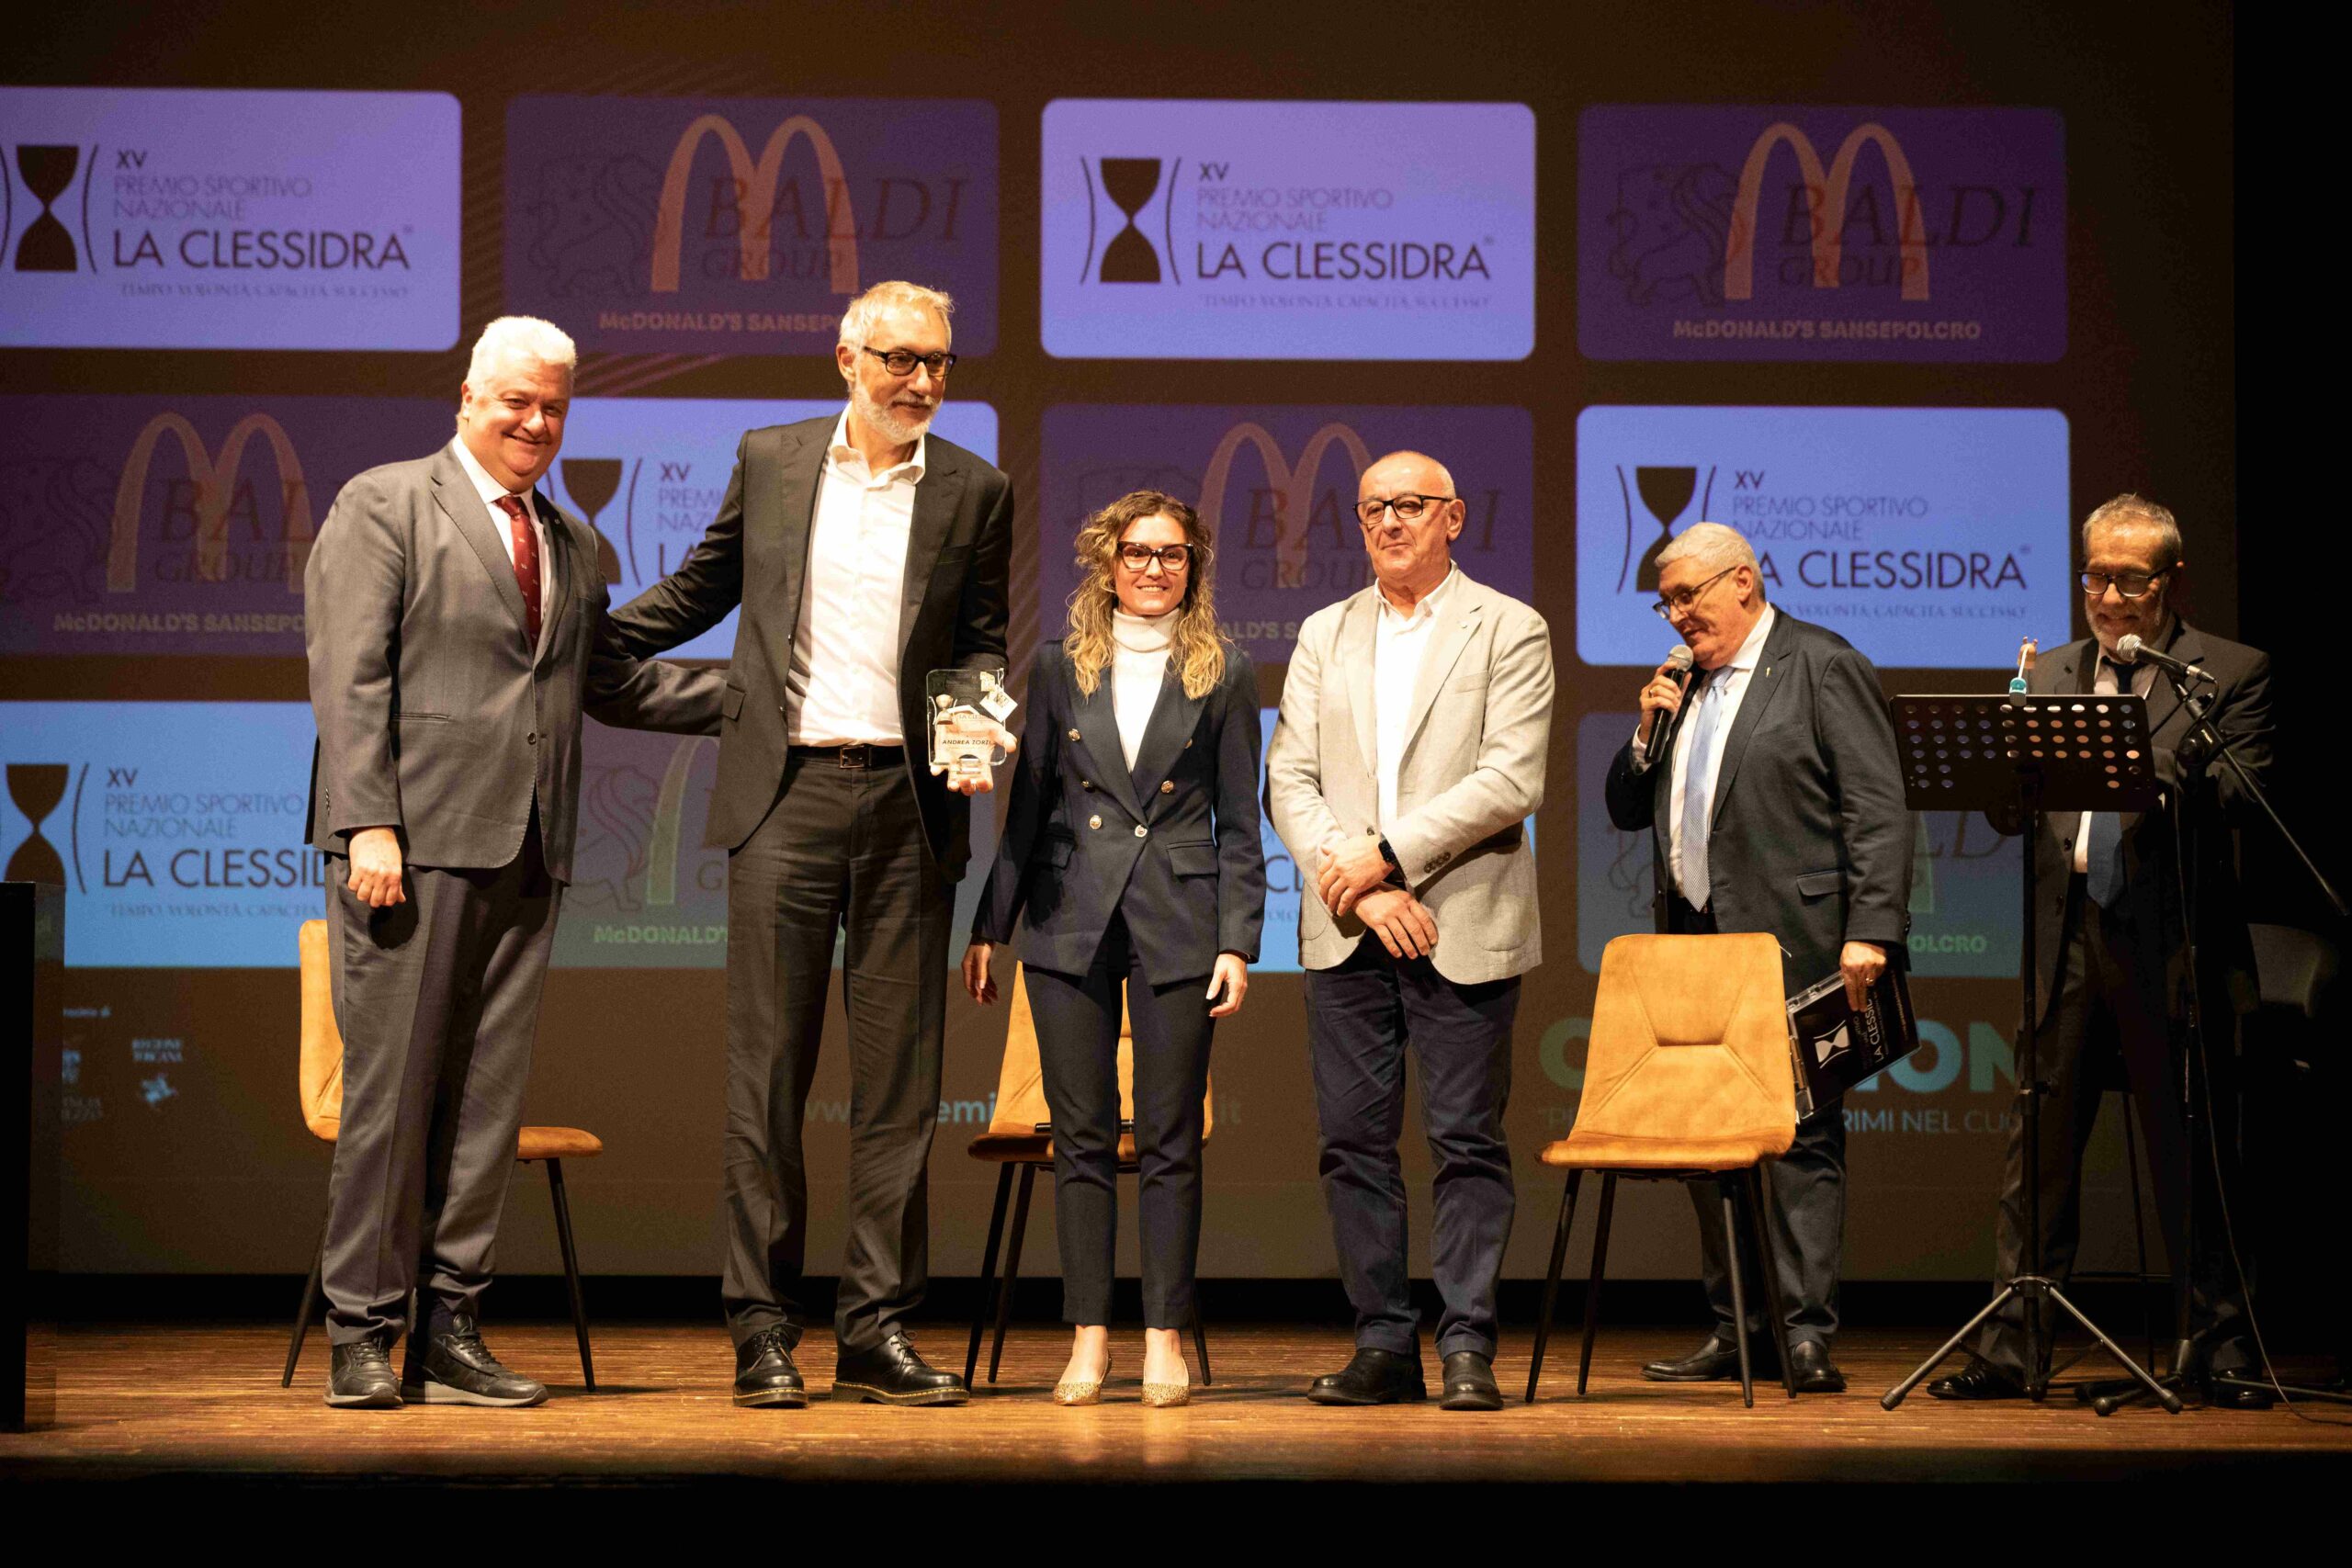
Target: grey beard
886,421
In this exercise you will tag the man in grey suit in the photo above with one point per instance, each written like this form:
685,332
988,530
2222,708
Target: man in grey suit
864,553
2110,950
1776,805
1415,721
455,620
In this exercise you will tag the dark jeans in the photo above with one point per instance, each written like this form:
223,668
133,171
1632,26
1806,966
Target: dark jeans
1078,1046
1361,1016
2107,1008
1805,1202
840,851
438,999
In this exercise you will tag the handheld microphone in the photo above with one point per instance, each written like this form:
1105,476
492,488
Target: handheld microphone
2131,650
1678,661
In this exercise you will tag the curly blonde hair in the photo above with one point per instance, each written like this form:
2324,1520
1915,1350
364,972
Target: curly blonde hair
1197,649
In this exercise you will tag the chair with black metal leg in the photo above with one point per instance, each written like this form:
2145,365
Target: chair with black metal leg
322,1085
1020,1136
1687,1077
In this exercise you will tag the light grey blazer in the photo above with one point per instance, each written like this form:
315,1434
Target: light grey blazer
1472,770
433,717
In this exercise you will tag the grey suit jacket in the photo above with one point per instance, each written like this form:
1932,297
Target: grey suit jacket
2150,907
1477,740
755,553
1809,840
1171,845
433,717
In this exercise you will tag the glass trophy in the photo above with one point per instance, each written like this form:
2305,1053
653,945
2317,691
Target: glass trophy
968,709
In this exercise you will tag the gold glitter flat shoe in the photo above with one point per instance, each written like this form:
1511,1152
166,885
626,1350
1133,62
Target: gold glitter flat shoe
1166,1395
1081,1392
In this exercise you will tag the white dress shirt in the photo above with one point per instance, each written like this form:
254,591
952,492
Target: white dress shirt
489,490
844,675
1400,641
1734,677
1138,666
2144,680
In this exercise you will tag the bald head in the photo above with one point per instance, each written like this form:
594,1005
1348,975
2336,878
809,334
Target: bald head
1411,554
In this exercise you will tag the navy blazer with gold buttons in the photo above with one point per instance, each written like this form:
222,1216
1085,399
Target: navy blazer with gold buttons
1171,845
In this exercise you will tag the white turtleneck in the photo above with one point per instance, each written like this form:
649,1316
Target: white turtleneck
1138,664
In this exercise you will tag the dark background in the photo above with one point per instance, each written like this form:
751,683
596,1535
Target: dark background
2147,383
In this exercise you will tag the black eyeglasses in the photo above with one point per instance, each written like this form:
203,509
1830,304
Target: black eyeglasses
1408,508
1667,606
902,361
1172,559
2130,584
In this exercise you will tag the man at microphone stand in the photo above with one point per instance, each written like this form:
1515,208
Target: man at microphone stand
2112,948
1775,805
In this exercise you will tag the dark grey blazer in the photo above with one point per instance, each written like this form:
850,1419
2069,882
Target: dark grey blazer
1172,846
433,717
755,553
2150,907
1810,839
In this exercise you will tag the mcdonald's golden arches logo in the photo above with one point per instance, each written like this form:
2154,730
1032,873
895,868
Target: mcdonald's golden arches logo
214,484
1834,187
1293,488
757,185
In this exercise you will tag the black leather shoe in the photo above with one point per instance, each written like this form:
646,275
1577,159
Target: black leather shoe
359,1377
1374,1376
2249,1393
1812,1371
1716,1361
457,1368
1470,1383
891,1373
764,1375
1978,1380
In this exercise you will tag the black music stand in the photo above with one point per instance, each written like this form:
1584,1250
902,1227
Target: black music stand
2012,758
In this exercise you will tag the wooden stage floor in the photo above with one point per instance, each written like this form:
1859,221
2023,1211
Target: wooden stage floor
204,1402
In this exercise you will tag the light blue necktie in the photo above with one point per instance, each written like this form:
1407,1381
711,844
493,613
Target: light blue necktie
1696,794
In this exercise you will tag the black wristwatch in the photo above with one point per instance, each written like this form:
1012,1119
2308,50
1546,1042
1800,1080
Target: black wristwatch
1395,865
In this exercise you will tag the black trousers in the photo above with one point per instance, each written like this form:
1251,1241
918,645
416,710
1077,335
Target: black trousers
2110,1010
1078,1046
438,1002
1361,1016
842,851
1804,1193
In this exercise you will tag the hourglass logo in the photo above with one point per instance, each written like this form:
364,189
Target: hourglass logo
37,788
47,245
1665,495
592,483
1129,184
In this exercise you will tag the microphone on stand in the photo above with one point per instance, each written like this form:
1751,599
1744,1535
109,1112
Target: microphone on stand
2131,650
1679,661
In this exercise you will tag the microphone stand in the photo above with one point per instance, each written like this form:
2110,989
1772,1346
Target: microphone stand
2194,1058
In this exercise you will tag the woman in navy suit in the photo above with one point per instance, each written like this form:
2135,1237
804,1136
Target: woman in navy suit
1130,859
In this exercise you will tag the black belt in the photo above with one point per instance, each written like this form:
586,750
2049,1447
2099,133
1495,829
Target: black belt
856,754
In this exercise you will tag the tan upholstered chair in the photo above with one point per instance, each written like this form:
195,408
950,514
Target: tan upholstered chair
1687,1078
322,1083
1020,1136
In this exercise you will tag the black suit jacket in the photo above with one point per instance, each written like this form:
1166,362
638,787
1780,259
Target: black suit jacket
2149,909
1173,845
1810,839
435,717
755,553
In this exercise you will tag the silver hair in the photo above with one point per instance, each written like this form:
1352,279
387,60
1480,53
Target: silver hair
1713,545
858,321
522,337
2130,508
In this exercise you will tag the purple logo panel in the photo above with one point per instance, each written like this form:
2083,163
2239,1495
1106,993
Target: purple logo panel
1723,233
1277,486
745,225
178,526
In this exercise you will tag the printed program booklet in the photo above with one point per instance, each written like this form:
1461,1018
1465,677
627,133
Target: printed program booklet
1834,1047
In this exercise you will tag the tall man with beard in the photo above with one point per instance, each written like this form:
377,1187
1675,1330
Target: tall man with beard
2111,947
864,553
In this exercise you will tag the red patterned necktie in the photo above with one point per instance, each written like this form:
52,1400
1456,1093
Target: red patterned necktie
527,562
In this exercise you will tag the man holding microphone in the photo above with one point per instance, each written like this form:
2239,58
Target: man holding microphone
1775,804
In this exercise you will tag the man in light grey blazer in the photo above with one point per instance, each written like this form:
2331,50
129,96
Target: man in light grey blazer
455,621
1416,720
